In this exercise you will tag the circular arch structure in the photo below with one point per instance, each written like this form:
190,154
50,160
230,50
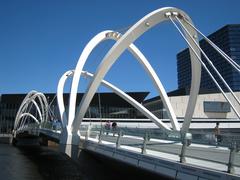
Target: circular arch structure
105,35
100,37
110,58
26,104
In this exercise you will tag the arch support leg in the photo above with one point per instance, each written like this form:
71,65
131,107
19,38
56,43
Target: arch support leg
69,143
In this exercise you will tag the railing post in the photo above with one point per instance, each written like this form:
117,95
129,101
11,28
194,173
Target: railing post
146,139
233,151
118,143
88,132
186,140
100,136
183,151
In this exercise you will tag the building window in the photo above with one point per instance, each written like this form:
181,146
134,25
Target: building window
216,106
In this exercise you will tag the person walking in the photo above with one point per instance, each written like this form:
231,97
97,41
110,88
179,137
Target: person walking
114,128
107,127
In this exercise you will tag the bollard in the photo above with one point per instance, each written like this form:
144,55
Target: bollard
233,151
183,151
100,136
186,141
146,139
118,143
88,132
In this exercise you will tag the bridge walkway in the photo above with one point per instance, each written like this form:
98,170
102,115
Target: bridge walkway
158,155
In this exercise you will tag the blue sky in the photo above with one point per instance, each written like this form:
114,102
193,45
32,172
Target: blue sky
40,40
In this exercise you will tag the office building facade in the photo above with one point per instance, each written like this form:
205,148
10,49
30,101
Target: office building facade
102,106
228,39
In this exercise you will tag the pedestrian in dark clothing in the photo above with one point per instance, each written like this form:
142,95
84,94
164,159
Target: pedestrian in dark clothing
114,128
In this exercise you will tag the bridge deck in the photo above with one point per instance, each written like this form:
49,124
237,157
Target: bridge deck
163,163
201,155
161,155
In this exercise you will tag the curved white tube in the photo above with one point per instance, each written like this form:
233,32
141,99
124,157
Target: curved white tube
139,56
131,101
30,115
60,98
78,70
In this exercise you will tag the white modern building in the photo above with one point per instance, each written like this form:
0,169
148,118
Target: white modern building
210,108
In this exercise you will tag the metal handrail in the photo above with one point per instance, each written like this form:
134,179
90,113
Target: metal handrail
163,136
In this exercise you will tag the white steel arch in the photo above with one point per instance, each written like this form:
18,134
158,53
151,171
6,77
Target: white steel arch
60,99
123,43
105,35
27,102
30,97
131,101
116,90
26,105
29,115
102,36
23,104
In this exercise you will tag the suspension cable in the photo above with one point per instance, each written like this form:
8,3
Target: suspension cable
221,52
53,100
28,109
209,61
205,67
50,111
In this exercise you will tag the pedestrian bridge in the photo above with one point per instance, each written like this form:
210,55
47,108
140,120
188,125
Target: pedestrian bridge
157,151
168,150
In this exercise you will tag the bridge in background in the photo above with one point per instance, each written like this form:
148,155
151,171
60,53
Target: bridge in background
168,150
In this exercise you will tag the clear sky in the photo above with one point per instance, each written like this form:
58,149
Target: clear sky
41,39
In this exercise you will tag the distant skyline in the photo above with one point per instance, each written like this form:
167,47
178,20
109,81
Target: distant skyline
40,40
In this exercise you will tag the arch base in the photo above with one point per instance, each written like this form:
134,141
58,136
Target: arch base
69,143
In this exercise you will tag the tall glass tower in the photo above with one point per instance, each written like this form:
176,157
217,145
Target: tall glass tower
228,39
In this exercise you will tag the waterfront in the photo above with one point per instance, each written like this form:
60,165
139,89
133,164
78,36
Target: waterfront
41,163
35,163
